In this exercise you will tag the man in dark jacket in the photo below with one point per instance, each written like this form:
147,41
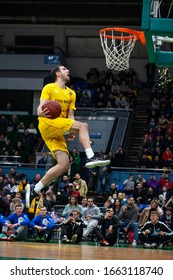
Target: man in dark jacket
72,228
155,233
106,232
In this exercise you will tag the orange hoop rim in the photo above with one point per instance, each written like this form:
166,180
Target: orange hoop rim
139,35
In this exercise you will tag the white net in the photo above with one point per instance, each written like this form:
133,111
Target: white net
117,51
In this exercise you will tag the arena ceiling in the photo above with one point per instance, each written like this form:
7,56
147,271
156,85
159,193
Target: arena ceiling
77,12
117,12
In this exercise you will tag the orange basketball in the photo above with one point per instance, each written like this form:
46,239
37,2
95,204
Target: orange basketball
54,108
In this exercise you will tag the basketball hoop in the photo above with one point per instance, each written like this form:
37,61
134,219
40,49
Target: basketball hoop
117,44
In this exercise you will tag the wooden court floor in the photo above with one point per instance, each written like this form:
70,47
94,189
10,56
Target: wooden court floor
56,251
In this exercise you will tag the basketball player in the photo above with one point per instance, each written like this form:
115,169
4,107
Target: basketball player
53,130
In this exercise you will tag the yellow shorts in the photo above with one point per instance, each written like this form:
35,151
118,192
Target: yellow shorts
52,132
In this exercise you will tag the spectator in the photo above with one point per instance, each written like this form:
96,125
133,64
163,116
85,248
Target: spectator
119,157
92,178
18,222
72,228
36,179
139,194
8,146
145,161
72,205
101,101
141,179
49,198
73,169
166,193
15,121
21,188
108,202
107,230
43,225
146,146
102,179
167,217
31,129
17,175
8,107
10,127
36,205
19,149
81,185
154,232
113,189
5,200
85,100
12,186
21,127
73,191
165,181
128,219
150,194
63,189
91,216
157,162
15,201
84,202
153,183
167,157
129,185
144,216
117,206
77,158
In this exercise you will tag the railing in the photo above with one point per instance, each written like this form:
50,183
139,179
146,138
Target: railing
10,160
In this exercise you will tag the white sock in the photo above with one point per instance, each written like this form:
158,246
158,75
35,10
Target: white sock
89,152
38,187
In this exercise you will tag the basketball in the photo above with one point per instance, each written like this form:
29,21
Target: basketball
54,108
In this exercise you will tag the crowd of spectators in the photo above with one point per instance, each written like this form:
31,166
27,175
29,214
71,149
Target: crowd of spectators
104,89
80,207
156,150
19,140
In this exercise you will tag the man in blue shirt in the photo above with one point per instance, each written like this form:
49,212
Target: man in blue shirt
17,223
43,225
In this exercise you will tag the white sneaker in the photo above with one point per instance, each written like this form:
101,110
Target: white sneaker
147,245
134,243
94,161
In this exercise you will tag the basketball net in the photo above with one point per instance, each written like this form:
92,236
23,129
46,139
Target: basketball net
117,49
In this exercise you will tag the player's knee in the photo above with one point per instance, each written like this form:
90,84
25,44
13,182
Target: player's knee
84,126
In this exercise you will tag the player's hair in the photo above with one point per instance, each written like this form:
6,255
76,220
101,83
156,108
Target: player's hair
54,71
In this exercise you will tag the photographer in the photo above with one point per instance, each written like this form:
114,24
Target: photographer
107,230
72,228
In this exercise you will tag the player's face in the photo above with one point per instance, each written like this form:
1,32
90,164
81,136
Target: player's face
65,74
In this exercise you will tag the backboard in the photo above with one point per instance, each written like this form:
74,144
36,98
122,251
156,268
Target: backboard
158,31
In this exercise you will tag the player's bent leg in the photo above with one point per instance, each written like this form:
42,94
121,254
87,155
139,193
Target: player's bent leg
82,129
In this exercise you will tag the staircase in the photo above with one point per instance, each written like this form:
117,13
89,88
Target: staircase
138,128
